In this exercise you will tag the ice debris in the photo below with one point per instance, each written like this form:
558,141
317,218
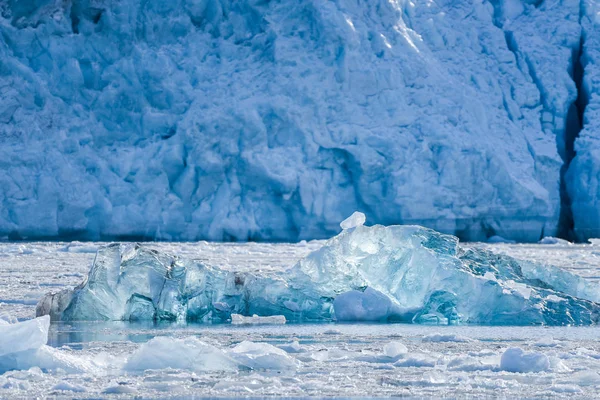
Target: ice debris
377,273
23,346
262,356
517,360
356,219
237,319
188,354
394,349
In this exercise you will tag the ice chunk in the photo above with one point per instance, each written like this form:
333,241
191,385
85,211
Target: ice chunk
23,346
417,360
517,360
394,349
262,356
377,273
22,336
553,240
188,354
237,319
439,337
356,219
68,387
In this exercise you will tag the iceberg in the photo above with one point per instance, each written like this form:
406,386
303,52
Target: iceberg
367,273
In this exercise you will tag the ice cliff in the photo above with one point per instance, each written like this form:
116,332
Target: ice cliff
253,119
378,273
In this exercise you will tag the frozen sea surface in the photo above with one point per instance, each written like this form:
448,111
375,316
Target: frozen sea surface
339,360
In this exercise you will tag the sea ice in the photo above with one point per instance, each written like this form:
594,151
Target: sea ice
23,346
394,349
189,354
378,273
517,360
237,319
262,356
23,336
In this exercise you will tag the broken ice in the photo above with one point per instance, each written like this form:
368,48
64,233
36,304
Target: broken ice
378,273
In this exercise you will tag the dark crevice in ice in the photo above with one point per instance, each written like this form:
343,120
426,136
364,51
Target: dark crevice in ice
574,125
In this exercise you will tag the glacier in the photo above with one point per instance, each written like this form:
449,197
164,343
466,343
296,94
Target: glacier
366,273
258,120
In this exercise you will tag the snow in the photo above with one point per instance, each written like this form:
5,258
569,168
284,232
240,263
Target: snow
246,120
378,273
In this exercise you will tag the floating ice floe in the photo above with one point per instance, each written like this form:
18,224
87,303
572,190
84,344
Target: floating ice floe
237,319
188,354
377,273
23,346
517,360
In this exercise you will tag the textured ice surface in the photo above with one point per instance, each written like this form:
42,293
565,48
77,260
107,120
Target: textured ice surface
395,273
187,119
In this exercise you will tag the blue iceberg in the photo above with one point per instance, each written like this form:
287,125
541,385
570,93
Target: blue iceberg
377,273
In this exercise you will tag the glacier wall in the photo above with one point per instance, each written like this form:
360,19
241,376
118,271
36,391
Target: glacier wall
584,170
265,120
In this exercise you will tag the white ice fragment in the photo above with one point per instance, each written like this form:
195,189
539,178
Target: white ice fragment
262,356
238,319
21,336
394,349
293,347
356,219
586,378
69,387
188,354
516,360
554,240
439,337
417,360
547,341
